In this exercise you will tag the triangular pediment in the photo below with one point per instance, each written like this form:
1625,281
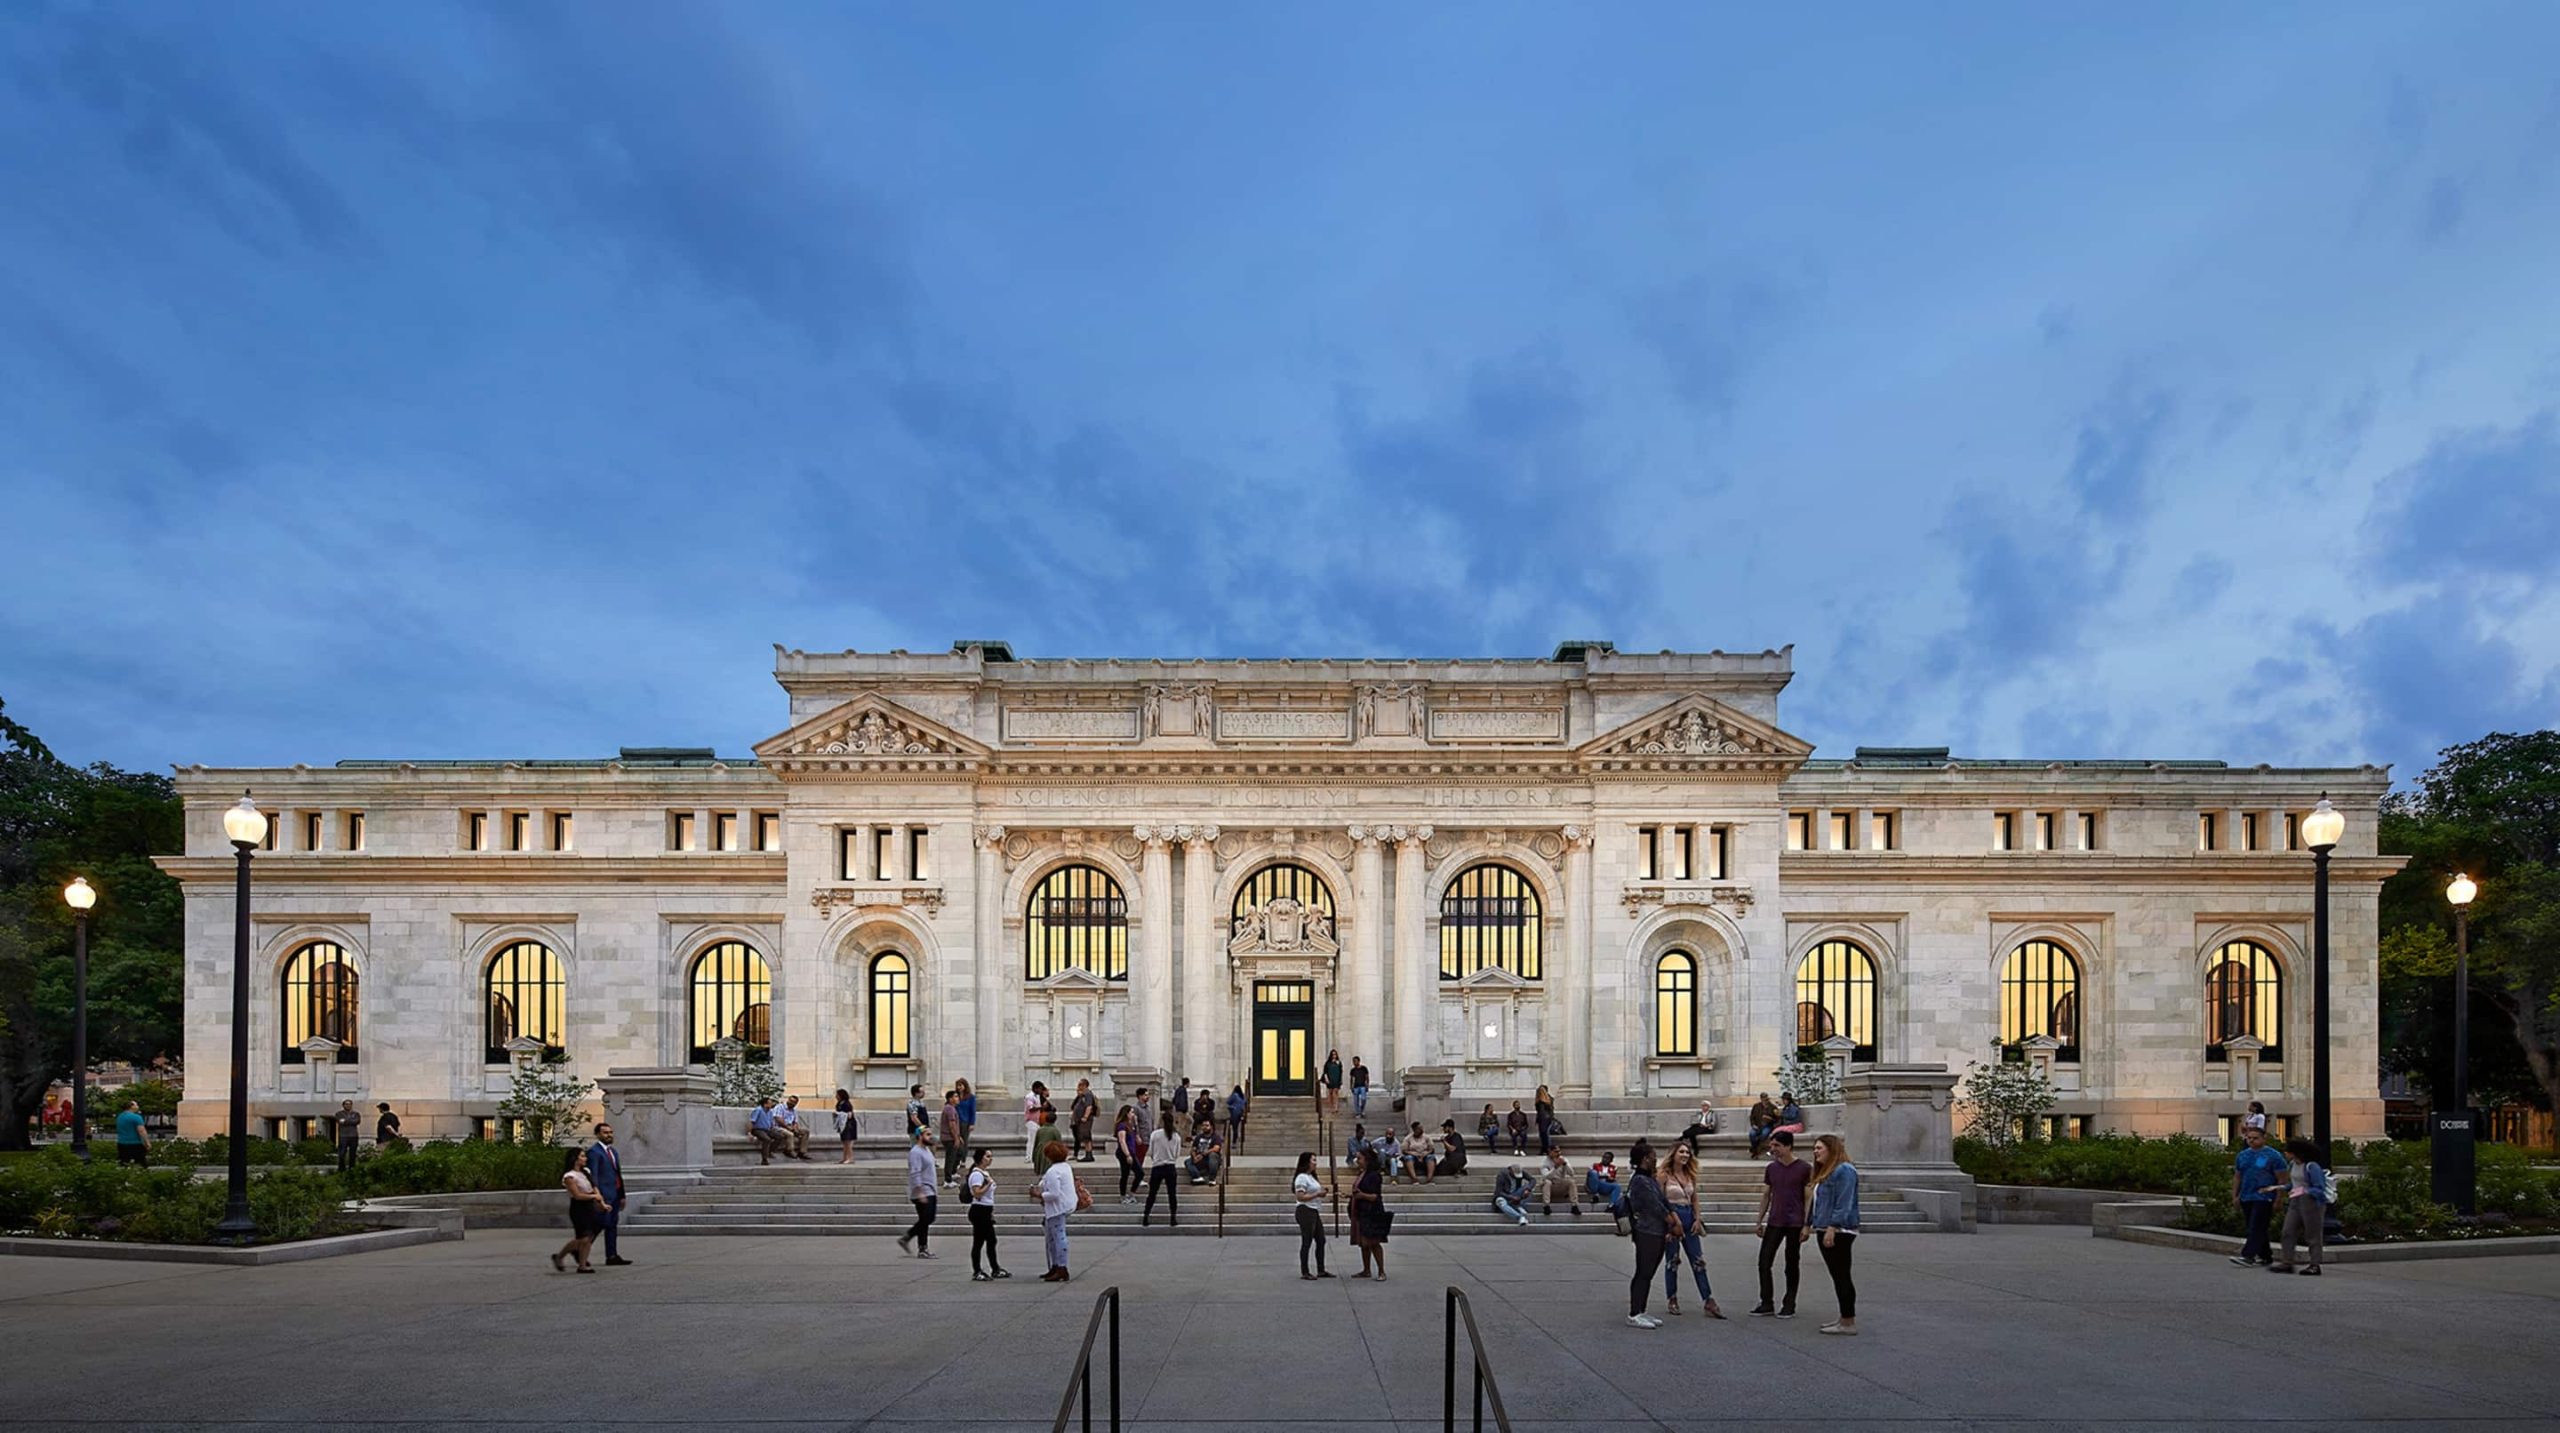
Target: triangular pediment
1073,978
1492,977
1697,731
869,730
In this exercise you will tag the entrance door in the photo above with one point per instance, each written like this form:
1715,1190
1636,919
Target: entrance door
1284,1032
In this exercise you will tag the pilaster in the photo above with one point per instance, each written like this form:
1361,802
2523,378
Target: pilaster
1151,1031
1575,973
992,1069
1417,972
1364,1002
1202,979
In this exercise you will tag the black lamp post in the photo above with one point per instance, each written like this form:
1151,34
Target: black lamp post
246,827
2452,1146
79,897
2321,831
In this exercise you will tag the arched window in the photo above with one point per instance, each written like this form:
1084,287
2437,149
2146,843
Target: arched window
1489,916
2244,995
1675,1004
319,990
890,993
2040,995
732,999
1836,995
526,997
1077,919
1284,882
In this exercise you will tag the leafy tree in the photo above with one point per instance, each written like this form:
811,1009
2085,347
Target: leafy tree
551,1103
2490,808
58,821
2005,1101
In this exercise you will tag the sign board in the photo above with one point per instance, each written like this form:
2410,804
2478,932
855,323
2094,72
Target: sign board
2451,1135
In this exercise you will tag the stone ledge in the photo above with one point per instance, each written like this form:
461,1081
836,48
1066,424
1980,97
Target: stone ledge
293,1253
2196,1241
2051,1204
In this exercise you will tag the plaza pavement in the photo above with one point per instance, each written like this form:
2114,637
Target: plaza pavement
2010,1328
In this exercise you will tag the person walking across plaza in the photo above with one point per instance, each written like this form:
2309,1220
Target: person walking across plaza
1081,1112
1680,1191
1306,1195
1649,1223
604,1169
848,1128
349,1123
1333,1081
1369,1217
1834,1222
923,1193
1061,1194
386,1127
1164,1153
1359,1088
1237,1105
1786,1189
133,1135
955,1142
2306,1207
2257,1172
981,1191
919,1114
585,1213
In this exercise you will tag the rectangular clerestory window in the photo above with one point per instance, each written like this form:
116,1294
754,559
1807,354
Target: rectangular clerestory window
2088,830
2206,833
475,831
768,831
2004,831
1799,830
352,825
724,830
1880,833
680,831
918,866
564,831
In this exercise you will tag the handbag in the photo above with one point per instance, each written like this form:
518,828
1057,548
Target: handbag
1084,1197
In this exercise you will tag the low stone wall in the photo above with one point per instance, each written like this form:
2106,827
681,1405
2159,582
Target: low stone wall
2229,1244
489,1209
293,1253
2041,1204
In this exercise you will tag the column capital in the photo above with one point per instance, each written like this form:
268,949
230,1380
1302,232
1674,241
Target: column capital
1576,839
1368,837
1196,835
1156,838
990,837
1407,835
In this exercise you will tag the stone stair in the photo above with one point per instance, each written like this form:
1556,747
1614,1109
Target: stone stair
868,1197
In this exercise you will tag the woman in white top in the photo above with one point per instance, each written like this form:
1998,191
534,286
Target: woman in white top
1164,1151
981,1185
1305,1191
586,1212
1060,1195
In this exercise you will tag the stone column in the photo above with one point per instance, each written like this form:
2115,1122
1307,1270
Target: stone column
1575,972
1364,986
1151,1032
662,1122
989,983
1417,967
1203,962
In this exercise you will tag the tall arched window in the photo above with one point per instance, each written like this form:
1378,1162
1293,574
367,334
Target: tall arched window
732,999
525,997
1489,916
319,990
2040,995
1836,995
2244,995
1278,883
890,993
1675,1004
1079,920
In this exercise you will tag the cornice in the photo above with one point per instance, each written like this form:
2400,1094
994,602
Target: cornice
723,868
1801,869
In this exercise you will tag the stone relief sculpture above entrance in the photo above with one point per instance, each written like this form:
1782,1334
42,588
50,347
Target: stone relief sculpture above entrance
1285,926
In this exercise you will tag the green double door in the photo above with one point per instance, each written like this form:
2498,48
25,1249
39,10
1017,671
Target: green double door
1284,1037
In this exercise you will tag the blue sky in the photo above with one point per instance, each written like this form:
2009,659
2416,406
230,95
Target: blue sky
445,380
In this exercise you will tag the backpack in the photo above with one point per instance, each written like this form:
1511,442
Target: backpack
2322,1185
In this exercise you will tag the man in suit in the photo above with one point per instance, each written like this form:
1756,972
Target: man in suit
604,1166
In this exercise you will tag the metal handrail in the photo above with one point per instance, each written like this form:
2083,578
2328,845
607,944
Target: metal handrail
1457,1309
1082,1379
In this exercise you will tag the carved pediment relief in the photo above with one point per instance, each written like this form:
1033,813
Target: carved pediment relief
868,731
1285,926
1491,978
1074,979
1698,731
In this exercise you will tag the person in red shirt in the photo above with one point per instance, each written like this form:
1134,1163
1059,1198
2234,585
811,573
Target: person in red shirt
1786,1194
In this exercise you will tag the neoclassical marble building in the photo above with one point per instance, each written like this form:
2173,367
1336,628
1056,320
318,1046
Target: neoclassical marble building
1612,873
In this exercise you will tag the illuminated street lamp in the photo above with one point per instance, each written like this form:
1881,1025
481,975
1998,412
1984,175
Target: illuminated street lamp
247,828
79,896
2460,894
2453,1147
2321,831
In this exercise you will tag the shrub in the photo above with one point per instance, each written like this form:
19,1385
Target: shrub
178,1153
2390,1200
2005,1100
2176,1164
2509,1184
447,1167
57,1196
216,1149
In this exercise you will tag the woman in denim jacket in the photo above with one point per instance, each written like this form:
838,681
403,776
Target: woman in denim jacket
1834,1222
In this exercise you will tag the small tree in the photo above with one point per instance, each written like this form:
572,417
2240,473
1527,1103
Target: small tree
1811,1080
737,1081
2005,1100
549,1103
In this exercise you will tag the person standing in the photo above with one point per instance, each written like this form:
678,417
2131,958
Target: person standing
1129,1147
2256,1118
1546,1105
1237,1104
1369,1216
1359,1088
955,1144
133,1135
848,1126
1080,1115
1680,1191
1037,1112
968,1110
919,1116
1649,1221
386,1126
350,1127
1333,1081
2257,1172
604,1169
1061,1195
1182,1098
982,1218
1835,1223
1164,1151
923,1193
1785,1191
2306,1207
1305,1193
585,1216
